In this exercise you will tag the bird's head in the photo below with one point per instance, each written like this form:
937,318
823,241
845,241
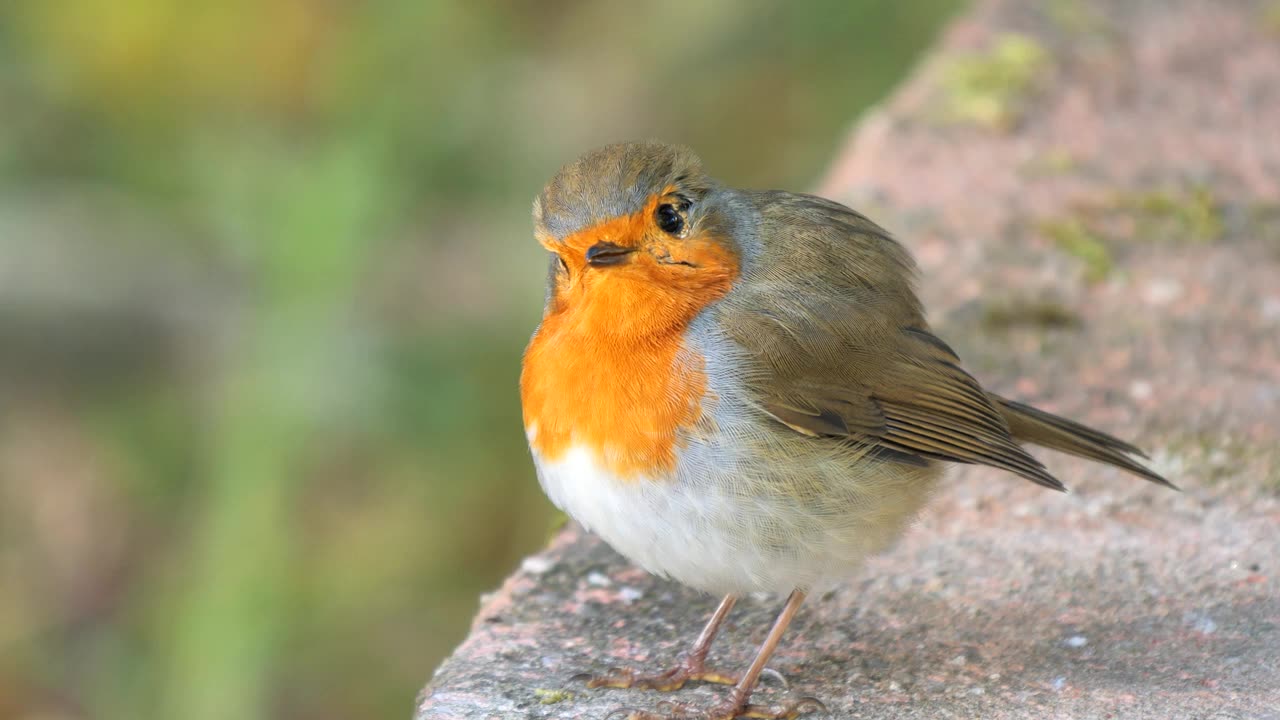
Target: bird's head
640,238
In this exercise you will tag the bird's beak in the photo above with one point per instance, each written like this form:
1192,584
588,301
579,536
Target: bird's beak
607,253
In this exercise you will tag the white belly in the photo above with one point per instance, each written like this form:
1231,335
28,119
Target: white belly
728,522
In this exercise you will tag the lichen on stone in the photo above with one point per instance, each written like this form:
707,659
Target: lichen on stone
1037,313
1073,237
1193,214
1093,231
552,696
992,89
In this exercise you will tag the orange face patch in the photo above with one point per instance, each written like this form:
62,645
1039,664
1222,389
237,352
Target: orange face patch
606,370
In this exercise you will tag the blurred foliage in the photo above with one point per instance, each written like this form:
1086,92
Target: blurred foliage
265,277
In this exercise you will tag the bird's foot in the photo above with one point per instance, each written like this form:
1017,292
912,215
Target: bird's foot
688,668
728,710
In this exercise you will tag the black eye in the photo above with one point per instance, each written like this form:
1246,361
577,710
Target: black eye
668,218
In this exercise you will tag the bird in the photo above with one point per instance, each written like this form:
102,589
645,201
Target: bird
738,390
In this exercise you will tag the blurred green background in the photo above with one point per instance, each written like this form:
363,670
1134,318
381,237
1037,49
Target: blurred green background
266,271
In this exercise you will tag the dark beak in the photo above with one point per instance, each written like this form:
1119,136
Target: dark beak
607,253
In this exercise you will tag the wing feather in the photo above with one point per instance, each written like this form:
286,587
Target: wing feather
854,358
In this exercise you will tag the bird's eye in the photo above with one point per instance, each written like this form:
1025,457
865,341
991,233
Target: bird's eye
669,219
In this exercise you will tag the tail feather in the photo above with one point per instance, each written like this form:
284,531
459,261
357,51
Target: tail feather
1030,425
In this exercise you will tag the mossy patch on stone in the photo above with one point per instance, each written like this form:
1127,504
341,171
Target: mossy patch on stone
1094,232
1073,237
992,89
551,697
1222,460
1040,313
1193,214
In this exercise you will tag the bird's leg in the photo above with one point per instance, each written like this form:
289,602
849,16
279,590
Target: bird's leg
738,704
691,664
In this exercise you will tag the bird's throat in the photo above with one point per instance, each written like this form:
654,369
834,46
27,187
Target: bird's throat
625,400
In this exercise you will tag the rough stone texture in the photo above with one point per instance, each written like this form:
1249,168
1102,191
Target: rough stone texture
1109,249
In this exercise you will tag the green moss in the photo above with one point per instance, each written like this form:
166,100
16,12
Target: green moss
1216,460
1193,214
1074,238
551,697
1180,215
1040,313
1094,231
992,89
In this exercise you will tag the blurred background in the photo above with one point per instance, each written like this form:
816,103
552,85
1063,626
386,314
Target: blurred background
266,272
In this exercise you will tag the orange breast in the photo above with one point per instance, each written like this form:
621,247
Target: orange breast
608,371
626,405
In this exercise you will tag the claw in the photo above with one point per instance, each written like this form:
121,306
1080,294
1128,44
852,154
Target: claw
672,679
779,677
667,710
631,714
790,711
813,704
614,677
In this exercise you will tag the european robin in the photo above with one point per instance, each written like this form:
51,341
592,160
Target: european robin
738,390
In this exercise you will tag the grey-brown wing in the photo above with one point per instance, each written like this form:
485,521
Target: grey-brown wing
841,349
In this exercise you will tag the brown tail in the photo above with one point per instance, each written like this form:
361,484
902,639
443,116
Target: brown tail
1038,427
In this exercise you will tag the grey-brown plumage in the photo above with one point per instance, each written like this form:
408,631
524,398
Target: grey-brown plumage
845,352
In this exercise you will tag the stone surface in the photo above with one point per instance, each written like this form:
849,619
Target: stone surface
1101,237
